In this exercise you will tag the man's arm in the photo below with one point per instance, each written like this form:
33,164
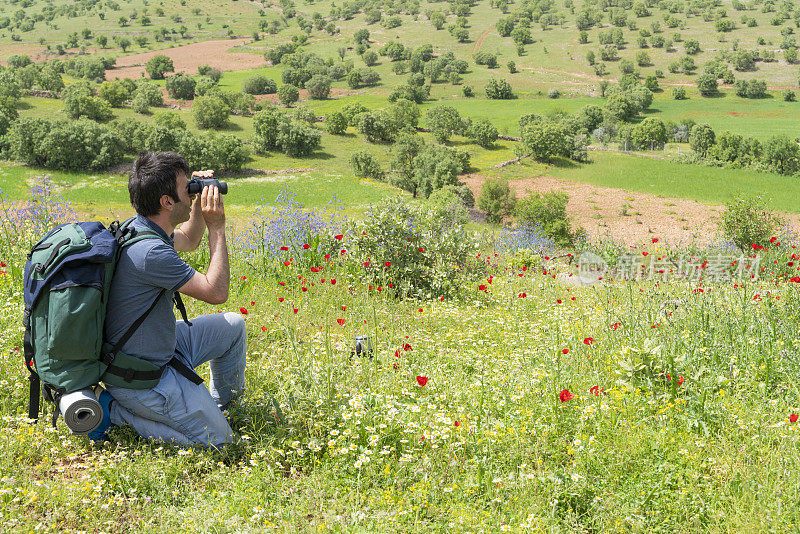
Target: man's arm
212,287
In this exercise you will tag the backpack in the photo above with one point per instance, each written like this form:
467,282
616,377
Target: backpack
67,280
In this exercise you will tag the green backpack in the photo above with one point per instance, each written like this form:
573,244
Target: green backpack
67,281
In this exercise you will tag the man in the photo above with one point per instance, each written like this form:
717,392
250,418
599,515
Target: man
177,409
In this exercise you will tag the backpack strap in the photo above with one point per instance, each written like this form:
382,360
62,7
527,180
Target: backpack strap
108,357
34,382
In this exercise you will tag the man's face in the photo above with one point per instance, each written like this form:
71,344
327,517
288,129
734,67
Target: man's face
182,209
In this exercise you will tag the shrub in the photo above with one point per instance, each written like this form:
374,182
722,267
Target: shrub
679,93
336,123
553,93
443,122
496,199
259,85
435,167
548,213
747,222
150,93
483,132
210,112
789,96
140,105
115,93
305,114
377,126
650,134
352,110
168,119
210,150
701,138
80,103
414,93
707,84
448,200
486,58
365,165
363,77
65,145
424,251
288,94
468,91
546,140
499,90
158,65
181,86
319,87
782,154
276,131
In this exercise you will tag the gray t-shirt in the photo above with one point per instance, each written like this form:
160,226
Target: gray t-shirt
144,269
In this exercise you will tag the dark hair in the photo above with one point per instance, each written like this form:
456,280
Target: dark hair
154,175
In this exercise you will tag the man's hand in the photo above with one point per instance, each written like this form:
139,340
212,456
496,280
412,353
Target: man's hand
212,208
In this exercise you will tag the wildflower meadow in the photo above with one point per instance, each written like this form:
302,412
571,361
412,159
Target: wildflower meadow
488,393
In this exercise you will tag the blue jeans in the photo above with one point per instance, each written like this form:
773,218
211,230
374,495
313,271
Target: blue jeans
179,411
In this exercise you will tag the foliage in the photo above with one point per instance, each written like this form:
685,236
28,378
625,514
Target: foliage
420,251
444,121
366,165
259,85
180,86
547,213
288,94
115,93
158,65
746,222
210,111
483,132
79,101
546,140
336,123
277,131
496,199
498,90
319,87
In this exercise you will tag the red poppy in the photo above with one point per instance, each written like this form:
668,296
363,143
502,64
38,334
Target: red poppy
3,264
327,257
421,249
655,240
420,310
284,248
407,347
338,237
793,418
333,281
795,279
304,289
243,278
597,390
280,299
306,246
680,379
773,239
263,328
645,253
482,287
391,285
564,351
243,311
388,264
340,321
344,308
295,310
558,301
615,326
565,395
523,295
588,340
457,424
282,283
422,380
366,264
287,263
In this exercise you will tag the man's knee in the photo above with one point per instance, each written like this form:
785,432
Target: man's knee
237,323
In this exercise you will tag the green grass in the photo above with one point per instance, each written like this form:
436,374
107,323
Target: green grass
704,184
492,441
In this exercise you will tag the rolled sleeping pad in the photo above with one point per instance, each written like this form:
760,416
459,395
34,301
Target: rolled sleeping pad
82,413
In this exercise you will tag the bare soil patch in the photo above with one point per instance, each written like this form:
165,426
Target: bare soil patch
188,57
35,52
598,210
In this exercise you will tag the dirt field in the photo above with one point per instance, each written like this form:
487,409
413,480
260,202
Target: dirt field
32,51
598,209
188,57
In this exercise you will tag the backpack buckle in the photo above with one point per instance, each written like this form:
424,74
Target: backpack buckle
129,374
108,358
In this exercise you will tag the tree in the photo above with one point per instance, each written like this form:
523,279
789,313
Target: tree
650,134
701,138
437,20
259,85
361,36
707,84
546,140
496,199
548,214
782,154
158,65
124,43
483,132
336,123
499,90
288,94
377,126
181,86
405,114
691,46
443,122
102,41
79,102
319,87
370,58
113,92
149,92
365,165
210,111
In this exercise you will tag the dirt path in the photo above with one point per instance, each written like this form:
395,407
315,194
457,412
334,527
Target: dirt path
188,57
597,209
479,41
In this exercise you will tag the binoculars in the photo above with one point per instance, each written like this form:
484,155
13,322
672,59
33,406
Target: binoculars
196,185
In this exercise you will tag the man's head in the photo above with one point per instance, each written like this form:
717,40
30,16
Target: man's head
158,184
